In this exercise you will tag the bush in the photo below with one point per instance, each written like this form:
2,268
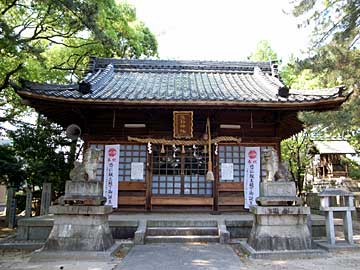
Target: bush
20,202
354,169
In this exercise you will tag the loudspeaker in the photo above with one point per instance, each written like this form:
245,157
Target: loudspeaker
73,132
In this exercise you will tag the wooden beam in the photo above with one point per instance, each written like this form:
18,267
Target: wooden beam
231,200
131,200
231,186
132,186
182,200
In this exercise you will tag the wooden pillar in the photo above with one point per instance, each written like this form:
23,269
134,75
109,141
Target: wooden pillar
278,146
148,180
216,182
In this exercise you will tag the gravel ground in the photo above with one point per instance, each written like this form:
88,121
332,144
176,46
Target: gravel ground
339,260
335,261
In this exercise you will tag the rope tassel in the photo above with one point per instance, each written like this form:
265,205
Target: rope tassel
183,149
209,174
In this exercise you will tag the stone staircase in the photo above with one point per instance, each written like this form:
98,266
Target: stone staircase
181,231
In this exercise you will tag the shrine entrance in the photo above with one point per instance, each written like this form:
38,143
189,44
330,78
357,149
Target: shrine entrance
180,171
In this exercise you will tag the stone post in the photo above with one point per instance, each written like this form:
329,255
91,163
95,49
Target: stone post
348,228
45,199
330,230
12,214
9,201
28,206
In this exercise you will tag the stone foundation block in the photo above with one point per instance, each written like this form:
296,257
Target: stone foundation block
280,228
85,233
84,188
277,189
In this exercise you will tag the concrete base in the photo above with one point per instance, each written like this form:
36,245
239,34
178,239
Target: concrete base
224,234
42,255
124,225
339,246
139,235
280,254
21,245
279,228
80,228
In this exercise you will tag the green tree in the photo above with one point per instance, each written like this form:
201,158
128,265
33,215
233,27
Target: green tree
43,152
44,40
51,41
263,52
296,152
334,60
330,20
11,169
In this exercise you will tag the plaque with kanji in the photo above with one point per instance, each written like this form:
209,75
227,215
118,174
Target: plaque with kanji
183,124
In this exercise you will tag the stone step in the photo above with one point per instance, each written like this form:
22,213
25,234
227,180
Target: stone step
171,231
181,239
181,223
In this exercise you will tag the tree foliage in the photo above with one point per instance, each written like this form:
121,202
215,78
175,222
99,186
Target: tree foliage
11,169
334,60
296,151
43,152
51,41
45,40
330,20
263,52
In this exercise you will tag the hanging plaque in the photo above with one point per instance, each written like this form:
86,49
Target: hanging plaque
183,124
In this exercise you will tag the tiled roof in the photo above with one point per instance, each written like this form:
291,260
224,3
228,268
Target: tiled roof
334,147
187,81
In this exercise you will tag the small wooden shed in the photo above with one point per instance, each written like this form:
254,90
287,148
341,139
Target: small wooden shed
328,161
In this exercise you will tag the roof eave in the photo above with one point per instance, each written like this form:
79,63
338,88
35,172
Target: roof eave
318,105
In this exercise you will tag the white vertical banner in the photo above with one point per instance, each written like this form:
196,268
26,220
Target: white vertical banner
252,175
111,174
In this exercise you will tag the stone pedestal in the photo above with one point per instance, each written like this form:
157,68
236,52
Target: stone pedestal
280,228
81,224
83,192
80,228
277,194
81,219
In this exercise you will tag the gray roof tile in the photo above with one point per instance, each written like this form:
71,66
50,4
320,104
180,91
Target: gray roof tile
159,80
